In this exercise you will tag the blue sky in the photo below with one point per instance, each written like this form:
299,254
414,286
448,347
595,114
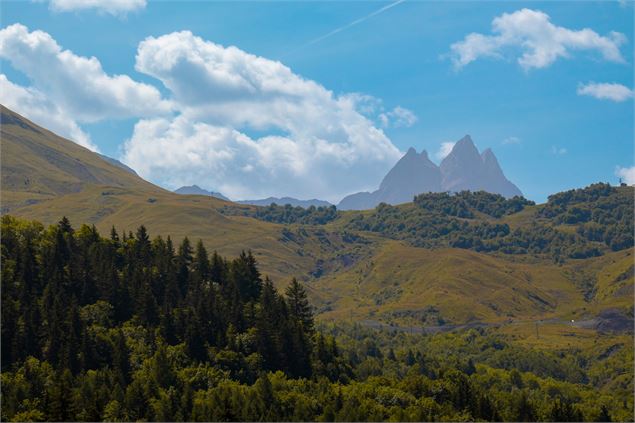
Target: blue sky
548,132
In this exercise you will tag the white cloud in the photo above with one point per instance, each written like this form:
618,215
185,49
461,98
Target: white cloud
315,143
511,141
606,91
540,41
182,152
113,7
627,174
77,85
398,117
35,106
444,149
373,108
558,151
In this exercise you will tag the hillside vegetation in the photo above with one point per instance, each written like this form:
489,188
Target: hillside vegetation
38,165
133,328
575,224
501,258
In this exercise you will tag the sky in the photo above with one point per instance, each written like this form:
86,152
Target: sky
319,99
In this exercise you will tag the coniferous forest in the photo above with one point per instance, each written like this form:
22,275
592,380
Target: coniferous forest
127,328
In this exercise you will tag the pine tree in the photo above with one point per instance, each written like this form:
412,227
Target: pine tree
270,323
244,273
114,236
218,269
70,358
87,351
162,369
299,307
604,415
301,329
60,397
201,263
194,342
184,261
266,398
121,359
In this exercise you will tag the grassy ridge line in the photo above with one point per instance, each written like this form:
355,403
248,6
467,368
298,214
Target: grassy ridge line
421,286
38,163
452,284
459,286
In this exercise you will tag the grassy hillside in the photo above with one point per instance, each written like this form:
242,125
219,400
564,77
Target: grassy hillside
382,265
431,287
45,177
38,165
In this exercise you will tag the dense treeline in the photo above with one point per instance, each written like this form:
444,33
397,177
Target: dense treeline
129,328
287,214
465,203
600,212
57,281
601,215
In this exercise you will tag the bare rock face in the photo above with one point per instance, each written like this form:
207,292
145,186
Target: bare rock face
463,169
413,174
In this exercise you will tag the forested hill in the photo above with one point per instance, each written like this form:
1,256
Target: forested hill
579,223
126,328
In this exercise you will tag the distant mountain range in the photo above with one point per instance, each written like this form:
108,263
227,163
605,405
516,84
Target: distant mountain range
118,164
287,200
45,177
196,190
463,169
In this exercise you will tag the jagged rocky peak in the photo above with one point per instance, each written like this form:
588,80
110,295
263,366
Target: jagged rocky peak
464,150
463,169
488,156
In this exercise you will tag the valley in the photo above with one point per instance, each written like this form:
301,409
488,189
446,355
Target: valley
405,300
350,273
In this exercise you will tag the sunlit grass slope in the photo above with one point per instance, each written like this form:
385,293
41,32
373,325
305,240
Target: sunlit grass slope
427,287
358,275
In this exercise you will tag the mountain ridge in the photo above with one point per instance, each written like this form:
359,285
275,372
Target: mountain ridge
331,257
196,190
286,200
463,169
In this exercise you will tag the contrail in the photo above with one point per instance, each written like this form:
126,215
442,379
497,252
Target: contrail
349,25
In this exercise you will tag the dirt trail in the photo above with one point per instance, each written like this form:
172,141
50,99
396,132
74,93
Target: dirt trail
607,321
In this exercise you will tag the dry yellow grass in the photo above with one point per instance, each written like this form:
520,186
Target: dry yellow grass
464,286
45,177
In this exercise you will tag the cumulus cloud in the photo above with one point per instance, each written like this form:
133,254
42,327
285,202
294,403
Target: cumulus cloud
112,7
78,85
606,91
444,149
34,105
315,143
373,108
540,42
67,89
558,151
511,141
399,117
627,174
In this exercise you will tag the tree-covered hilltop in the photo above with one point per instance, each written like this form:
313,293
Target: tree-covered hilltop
131,328
466,203
287,214
601,217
